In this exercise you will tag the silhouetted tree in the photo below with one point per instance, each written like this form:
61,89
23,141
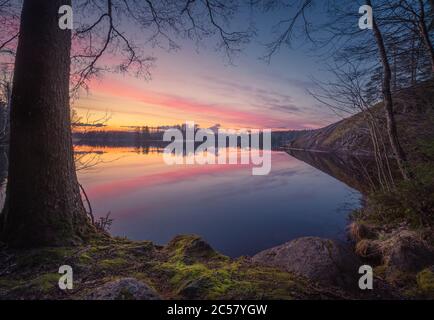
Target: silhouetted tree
340,37
416,13
43,203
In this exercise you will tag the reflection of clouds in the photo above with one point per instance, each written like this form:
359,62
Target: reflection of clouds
226,186
220,177
248,186
172,176
225,203
208,181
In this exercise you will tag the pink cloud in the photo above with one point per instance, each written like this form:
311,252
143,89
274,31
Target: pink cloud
213,112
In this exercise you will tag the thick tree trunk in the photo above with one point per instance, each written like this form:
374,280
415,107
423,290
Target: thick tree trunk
423,30
413,63
43,202
388,102
431,26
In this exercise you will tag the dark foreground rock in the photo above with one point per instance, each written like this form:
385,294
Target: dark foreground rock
400,250
405,251
124,289
324,261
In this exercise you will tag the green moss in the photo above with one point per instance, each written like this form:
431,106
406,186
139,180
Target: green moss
7,284
427,147
411,202
97,249
219,277
85,258
45,282
425,282
43,257
380,271
231,279
178,245
186,268
115,263
190,249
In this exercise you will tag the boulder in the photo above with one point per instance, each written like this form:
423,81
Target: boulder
407,252
321,260
195,289
191,248
124,289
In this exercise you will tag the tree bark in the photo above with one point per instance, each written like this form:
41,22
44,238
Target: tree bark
388,101
43,201
423,30
431,26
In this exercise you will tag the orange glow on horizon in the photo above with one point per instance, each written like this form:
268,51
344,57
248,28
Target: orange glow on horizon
133,104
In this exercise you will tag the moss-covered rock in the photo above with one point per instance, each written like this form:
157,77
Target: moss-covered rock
186,268
113,264
123,289
189,248
425,282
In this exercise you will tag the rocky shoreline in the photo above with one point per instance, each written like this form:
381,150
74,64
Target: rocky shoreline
113,268
188,268
402,260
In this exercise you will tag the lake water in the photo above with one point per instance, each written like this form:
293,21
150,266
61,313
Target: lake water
234,211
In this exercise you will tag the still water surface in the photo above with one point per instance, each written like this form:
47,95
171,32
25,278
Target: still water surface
237,213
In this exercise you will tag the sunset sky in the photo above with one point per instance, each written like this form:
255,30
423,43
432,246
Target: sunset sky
199,85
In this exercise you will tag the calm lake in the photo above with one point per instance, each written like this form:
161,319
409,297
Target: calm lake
234,211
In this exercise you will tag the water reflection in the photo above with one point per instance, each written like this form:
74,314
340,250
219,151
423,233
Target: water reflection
357,172
239,214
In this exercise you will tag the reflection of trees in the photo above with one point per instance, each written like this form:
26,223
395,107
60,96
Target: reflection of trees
86,123
49,211
396,54
356,172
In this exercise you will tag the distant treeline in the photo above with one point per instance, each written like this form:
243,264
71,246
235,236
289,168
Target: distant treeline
143,135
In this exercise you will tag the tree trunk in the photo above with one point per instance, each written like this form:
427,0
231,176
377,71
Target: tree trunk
43,201
388,102
431,26
413,63
423,30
